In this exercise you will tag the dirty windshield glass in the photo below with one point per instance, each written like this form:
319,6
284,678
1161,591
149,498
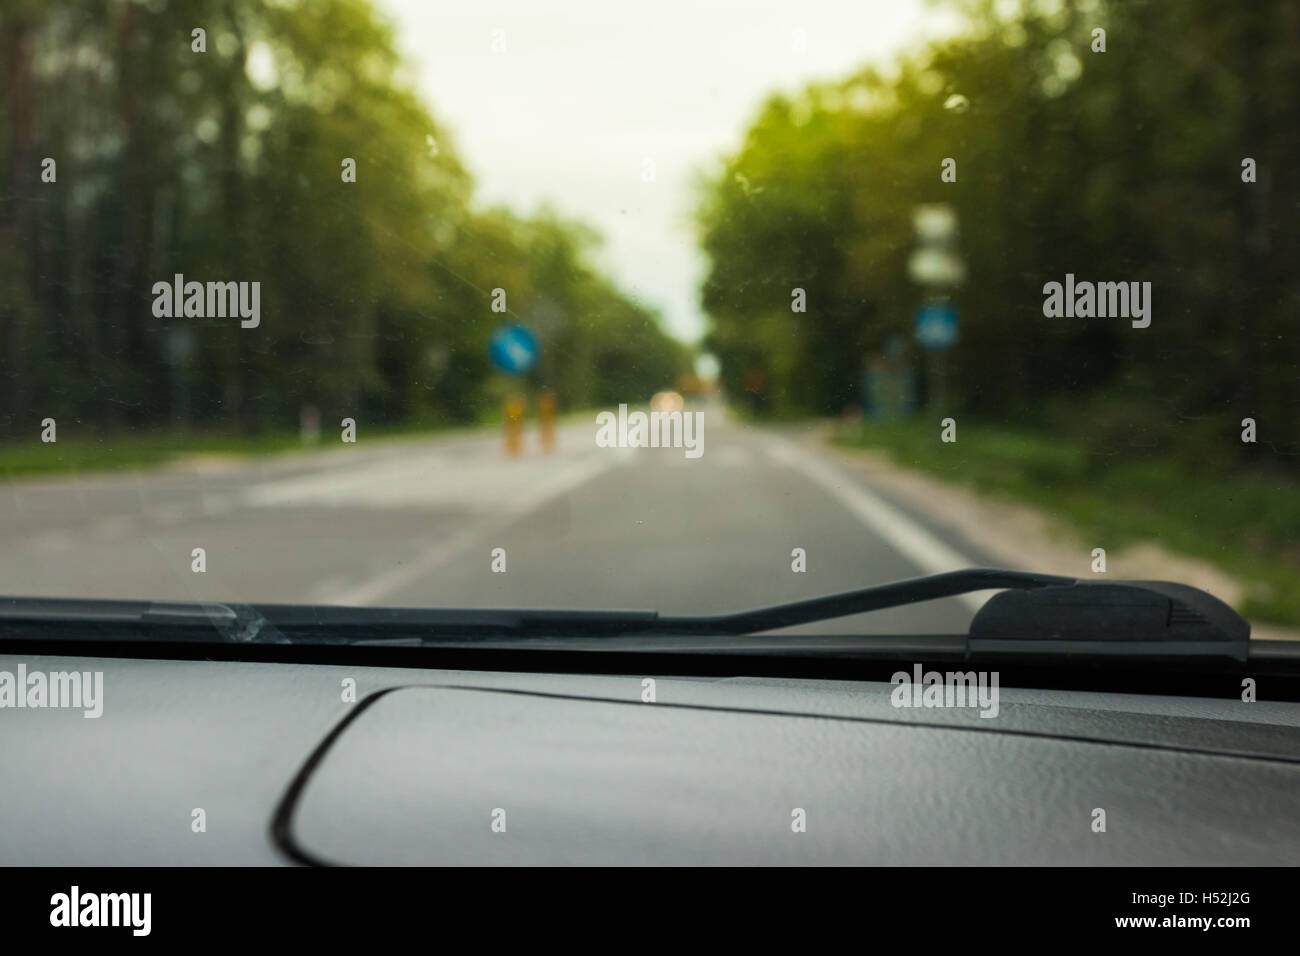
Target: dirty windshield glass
693,306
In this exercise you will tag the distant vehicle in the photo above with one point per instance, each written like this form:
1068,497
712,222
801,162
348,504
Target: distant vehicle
667,402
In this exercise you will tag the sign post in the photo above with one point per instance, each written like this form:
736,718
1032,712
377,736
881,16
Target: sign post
935,328
516,404
546,407
513,349
937,268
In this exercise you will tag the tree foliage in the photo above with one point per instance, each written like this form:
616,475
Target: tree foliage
1121,165
227,165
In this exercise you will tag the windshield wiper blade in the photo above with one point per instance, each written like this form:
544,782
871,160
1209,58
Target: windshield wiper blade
861,601
1033,614
241,623
149,620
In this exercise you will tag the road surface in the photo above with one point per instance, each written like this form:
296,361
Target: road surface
415,523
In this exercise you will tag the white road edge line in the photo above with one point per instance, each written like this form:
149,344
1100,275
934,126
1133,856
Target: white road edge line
907,537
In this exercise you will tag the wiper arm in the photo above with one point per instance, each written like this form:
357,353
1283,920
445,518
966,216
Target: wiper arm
877,598
244,623
1035,613
149,620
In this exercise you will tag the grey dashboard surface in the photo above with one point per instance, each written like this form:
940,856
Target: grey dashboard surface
584,772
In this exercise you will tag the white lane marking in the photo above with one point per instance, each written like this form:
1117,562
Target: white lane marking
215,505
53,541
734,456
168,514
510,508
370,482
323,591
432,481
113,526
907,537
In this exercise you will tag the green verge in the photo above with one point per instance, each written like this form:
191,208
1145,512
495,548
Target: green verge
115,452
1246,524
74,454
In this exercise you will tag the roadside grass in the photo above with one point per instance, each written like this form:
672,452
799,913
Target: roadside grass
152,449
1247,524
114,452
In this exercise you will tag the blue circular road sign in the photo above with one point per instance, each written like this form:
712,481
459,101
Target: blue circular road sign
936,326
513,349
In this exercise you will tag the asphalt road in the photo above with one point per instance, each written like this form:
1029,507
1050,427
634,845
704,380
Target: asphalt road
414,523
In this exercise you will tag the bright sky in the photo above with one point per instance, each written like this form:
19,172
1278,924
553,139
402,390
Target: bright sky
586,91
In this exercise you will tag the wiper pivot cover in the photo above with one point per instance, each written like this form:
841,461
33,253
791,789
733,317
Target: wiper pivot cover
1120,617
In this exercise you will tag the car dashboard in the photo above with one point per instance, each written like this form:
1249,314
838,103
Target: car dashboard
204,762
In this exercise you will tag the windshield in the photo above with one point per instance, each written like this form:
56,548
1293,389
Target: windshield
687,306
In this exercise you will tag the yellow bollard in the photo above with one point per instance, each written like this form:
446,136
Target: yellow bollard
546,405
515,405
